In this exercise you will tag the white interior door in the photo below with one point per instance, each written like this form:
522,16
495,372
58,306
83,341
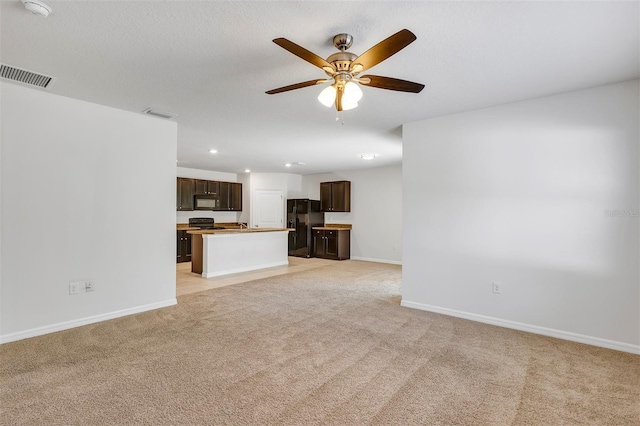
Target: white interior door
269,210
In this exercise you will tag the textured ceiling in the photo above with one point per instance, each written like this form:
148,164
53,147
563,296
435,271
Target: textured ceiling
211,62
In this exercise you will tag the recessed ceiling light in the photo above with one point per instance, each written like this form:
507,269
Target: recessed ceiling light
368,156
213,151
247,170
287,164
37,7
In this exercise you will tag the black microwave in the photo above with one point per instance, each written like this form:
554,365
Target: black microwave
206,202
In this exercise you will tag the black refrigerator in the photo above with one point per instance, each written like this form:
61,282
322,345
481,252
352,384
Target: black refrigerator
302,214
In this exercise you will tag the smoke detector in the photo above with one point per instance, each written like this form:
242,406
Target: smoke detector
37,7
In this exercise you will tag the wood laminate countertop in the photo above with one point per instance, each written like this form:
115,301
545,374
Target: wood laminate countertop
333,227
226,225
185,227
237,231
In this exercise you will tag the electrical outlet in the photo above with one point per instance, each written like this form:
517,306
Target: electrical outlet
497,287
88,286
74,287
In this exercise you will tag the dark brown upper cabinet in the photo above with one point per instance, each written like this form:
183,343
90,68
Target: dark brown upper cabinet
335,196
207,187
184,194
230,196
235,201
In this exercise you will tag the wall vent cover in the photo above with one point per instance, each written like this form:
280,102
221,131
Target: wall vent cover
161,114
29,78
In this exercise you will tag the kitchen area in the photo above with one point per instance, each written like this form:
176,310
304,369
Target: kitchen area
223,248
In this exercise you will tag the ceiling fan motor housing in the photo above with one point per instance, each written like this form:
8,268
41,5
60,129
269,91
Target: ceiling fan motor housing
341,60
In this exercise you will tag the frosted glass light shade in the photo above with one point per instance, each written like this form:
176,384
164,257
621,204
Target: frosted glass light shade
352,93
328,96
350,97
346,106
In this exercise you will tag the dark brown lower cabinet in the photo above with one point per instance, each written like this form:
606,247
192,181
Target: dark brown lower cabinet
332,243
184,247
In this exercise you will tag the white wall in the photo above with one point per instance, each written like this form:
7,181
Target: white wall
184,216
206,174
518,194
376,210
88,193
290,185
244,215
295,187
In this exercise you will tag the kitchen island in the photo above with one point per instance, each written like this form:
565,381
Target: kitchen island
216,252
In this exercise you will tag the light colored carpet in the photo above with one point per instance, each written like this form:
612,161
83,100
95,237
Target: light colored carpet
325,346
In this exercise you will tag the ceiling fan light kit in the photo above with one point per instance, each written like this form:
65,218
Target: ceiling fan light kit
343,68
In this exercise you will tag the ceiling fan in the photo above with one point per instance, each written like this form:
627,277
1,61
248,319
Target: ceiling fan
343,68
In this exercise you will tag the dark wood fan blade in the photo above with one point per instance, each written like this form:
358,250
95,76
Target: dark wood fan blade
296,86
391,83
303,53
384,49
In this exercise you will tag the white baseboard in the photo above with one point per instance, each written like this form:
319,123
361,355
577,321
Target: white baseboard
39,331
560,334
244,269
368,259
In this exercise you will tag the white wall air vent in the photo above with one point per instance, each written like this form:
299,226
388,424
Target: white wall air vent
29,78
161,114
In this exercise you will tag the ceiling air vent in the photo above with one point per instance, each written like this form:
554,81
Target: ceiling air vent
161,114
29,78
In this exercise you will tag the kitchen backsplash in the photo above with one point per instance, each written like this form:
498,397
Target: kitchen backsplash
337,217
184,216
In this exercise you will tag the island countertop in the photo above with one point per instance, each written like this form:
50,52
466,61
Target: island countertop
216,252
333,227
185,227
237,231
